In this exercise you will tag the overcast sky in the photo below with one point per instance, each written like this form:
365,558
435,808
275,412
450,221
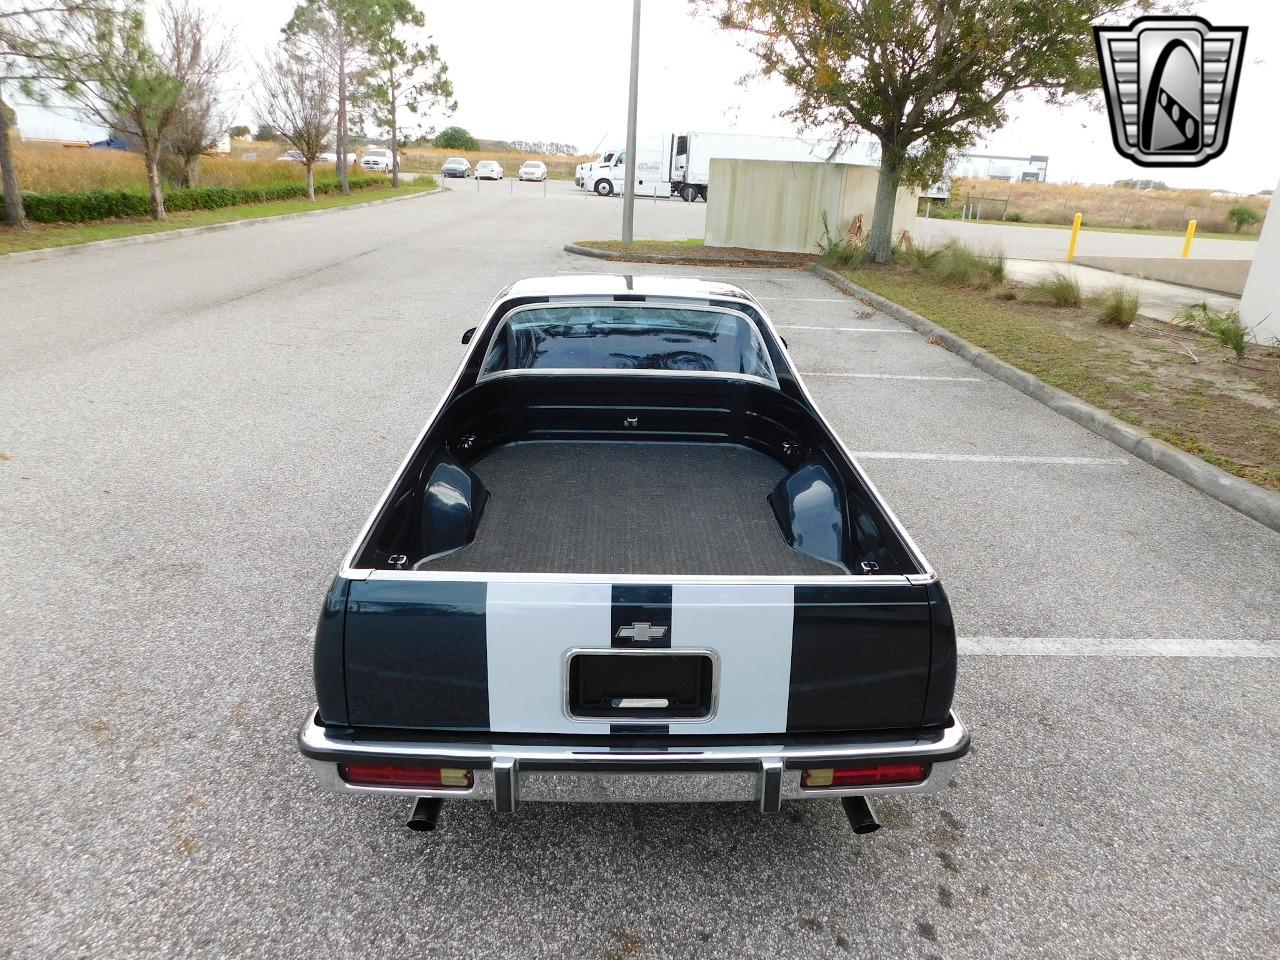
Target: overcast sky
557,70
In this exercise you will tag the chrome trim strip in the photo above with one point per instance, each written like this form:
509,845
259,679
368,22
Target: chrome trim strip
572,652
649,302
837,580
497,768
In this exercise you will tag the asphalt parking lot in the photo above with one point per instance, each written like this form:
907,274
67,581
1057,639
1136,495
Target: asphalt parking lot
194,431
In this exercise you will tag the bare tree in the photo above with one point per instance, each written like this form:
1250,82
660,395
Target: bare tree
35,60
335,33
296,99
138,89
200,121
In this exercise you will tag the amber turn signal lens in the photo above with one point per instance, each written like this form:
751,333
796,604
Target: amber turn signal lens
877,775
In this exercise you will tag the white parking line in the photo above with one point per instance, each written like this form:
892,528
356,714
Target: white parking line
983,458
1115,647
800,326
892,376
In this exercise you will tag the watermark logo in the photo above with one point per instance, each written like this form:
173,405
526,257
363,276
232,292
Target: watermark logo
1170,84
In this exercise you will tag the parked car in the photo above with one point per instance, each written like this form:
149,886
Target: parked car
291,156
331,157
456,167
533,170
377,159
628,558
488,170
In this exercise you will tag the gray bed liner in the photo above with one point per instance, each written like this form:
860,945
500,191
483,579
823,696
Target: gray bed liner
630,508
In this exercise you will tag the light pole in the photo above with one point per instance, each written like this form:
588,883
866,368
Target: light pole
628,184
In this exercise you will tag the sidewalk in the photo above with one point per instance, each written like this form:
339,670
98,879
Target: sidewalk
1158,300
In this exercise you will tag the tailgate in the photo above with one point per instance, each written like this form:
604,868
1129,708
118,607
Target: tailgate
555,656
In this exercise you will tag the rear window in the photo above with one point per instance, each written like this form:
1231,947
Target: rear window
628,336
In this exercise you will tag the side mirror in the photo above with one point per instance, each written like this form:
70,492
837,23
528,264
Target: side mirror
468,334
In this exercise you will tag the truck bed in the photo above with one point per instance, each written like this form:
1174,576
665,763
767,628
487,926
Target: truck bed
629,508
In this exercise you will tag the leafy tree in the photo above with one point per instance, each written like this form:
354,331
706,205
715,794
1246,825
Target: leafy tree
924,77
296,97
36,60
336,33
139,89
266,132
403,73
239,131
456,138
1242,215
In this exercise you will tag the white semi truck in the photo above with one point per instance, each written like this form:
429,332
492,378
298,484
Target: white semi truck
679,164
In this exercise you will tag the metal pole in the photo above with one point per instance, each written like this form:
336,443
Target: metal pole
628,187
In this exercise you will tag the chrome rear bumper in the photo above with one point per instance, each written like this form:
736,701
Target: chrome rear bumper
506,774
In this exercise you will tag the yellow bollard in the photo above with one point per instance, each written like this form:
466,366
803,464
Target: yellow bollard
1191,235
1075,236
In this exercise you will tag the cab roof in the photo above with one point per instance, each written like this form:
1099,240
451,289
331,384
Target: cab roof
609,285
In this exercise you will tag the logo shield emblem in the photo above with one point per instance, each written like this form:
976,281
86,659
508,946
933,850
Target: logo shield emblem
1170,84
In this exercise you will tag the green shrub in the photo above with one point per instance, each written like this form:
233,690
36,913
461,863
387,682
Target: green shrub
116,204
1118,307
1242,215
1014,217
1060,289
1223,324
456,138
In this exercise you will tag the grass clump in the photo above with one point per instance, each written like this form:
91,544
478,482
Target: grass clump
1225,325
953,263
1060,289
838,252
1118,307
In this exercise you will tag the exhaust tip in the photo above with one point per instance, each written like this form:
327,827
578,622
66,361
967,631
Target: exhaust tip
426,811
862,816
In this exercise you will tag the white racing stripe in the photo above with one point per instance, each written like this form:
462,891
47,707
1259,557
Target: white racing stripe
893,376
749,628
1115,647
983,458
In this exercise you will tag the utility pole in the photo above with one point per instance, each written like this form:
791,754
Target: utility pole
628,188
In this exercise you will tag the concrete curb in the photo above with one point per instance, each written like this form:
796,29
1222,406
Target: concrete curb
1251,500
48,253
680,261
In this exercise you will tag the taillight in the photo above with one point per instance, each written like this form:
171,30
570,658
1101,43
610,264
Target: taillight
875,775
405,775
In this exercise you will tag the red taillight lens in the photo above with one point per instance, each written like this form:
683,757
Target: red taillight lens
876,775
404,775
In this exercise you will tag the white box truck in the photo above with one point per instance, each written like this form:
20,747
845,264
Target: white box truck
679,164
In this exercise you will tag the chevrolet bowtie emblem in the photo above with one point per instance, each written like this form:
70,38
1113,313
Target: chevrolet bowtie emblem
1170,84
641,632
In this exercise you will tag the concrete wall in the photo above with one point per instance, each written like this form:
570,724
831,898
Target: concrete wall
773,205
1260,304
1220,276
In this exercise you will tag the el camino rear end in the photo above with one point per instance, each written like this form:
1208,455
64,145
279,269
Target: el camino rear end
627,544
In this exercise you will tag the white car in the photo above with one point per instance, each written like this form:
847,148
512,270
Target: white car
533,170
291,156
488,170
456,167
377,159
331,157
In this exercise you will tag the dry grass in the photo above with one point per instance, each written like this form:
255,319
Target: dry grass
49,168
1108,206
